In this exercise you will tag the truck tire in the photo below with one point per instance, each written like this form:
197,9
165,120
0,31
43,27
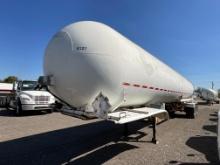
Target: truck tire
50,110
171,114
57,106
190,113
18,110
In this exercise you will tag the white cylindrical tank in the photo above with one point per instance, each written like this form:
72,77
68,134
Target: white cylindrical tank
89,60
208,94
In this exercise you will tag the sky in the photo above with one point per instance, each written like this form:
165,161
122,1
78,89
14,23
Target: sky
185,34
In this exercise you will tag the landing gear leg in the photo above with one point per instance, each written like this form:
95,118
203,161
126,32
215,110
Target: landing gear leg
154,140
125,133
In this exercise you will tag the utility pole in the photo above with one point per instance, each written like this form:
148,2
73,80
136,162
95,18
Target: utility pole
212,85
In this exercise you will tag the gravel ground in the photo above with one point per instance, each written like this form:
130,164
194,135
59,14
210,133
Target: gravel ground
41,138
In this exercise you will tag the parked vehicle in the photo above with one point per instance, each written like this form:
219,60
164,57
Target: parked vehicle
6,90
98,72
209,95
25,96
112,78
99,77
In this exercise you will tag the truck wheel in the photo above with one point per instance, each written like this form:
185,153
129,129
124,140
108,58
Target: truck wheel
18,109
57,106
190,113
49,110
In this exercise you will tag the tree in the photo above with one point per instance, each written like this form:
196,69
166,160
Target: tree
10,79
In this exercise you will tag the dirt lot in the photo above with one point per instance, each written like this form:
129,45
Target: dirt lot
41,138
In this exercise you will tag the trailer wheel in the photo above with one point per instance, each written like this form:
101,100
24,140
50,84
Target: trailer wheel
171,114
190,113
18,110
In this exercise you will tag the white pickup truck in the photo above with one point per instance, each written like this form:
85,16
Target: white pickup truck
26,97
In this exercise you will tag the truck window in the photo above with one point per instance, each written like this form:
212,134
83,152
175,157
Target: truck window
29,85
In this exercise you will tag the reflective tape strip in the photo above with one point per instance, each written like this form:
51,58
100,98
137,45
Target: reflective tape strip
136,85
151,87
127,84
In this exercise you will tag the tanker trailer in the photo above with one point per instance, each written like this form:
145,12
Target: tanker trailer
209,95
214,96
98,72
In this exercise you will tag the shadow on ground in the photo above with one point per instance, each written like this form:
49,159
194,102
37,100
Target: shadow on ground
203,103
198,163
11,113
102,155
206,145
214,114
180,115
92,143
211,128
214,119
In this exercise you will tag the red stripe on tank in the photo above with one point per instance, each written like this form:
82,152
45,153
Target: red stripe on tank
136,85
151,87
127,84
144,86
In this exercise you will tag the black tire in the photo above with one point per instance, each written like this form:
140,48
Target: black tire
171,114
58,106
18,110
190,113
50,110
